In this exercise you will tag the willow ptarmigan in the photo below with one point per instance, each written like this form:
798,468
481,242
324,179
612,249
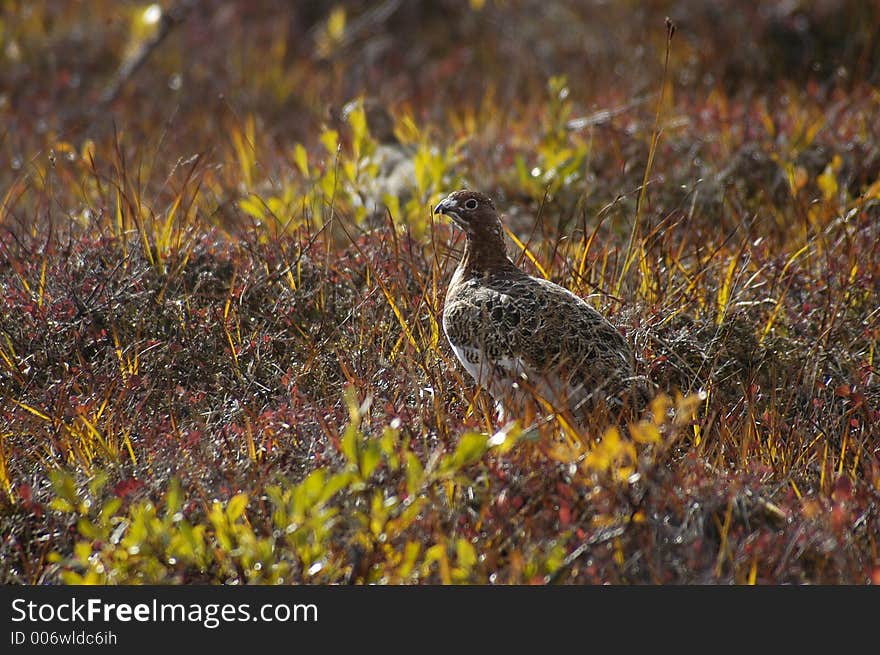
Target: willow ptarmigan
521,336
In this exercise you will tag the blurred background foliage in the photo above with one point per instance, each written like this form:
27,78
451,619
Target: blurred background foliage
221,357
292,63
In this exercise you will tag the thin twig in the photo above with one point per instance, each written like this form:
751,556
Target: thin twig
174,16
655,139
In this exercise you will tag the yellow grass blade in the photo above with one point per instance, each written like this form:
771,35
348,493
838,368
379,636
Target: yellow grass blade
42,289
772,320
399,315
527,253
7,357
126,439
95,434
4,472
17,189
722,548
842,457
724,292
251,447
652,150
164,242
32,410
232,348
645,287
585,250
117,347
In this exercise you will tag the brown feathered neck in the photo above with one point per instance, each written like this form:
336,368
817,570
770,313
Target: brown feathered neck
485,250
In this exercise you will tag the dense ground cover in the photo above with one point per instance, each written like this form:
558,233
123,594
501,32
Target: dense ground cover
220,350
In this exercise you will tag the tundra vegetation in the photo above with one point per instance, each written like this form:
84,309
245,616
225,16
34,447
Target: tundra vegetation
221,359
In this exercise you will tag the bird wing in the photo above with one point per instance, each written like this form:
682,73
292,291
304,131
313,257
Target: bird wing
539,335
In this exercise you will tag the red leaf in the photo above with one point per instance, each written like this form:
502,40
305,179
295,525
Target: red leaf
564,515
127,487
842,490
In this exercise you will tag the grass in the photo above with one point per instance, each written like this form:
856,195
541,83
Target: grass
221,355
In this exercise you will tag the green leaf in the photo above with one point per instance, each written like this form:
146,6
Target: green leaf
97,483
435,553
420,169
392,202
219,519
350,444
71,578
186,544
313,485
407,516
388,445
173,498
465,553
301,159
253,206
505,439
236,507
82,551
349,396
410,555
276,207
357,118
334,484
64,487
330,141
522,174
471,447
336,24
61,505
109,510
379,508
415,474
370,458
86,529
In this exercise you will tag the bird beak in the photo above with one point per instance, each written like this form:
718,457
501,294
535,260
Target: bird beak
448,207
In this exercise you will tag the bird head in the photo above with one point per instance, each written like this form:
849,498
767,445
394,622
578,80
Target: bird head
471,211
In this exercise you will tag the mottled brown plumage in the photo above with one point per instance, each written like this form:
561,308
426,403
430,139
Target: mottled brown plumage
521,336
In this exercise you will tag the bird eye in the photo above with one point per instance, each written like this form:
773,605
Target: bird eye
470,204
